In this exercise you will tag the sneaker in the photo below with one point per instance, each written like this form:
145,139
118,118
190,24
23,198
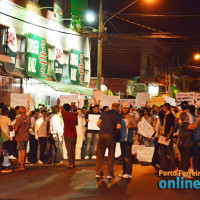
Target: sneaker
62,162
94,157
120,175
87,158
111,177
12,157
127,176
99,176
39,162
6,170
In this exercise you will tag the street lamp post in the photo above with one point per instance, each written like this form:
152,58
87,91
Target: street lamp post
100,41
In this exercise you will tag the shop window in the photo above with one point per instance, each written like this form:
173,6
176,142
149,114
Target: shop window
3,39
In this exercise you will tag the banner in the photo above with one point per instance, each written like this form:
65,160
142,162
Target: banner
158,101
186,96
108,100
197,100
97,95
145,129
142,99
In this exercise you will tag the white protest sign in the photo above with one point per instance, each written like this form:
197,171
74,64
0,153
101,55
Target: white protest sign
97,95
145,154
130,101
198,100
186,96
170,100
145,129
135,148
92,124
108,100
68,99
162,140
142,99
17,99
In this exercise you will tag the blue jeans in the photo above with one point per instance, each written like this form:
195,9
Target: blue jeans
91,140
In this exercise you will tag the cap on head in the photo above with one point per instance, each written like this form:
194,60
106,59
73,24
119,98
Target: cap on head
126,105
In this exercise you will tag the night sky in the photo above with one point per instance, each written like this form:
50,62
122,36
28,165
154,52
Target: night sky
180,18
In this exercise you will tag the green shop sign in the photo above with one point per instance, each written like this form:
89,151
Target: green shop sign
10,40
36,56
58,62
76,67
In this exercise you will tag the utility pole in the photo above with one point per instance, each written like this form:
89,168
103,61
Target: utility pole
100,47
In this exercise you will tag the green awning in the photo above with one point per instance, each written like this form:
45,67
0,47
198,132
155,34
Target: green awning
62,87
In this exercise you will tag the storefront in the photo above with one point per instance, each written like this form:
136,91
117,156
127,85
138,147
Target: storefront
48,59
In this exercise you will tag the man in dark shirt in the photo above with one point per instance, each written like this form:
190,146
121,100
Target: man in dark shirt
108,123
167,131
70,135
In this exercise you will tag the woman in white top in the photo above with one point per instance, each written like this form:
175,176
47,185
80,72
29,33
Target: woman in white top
80,129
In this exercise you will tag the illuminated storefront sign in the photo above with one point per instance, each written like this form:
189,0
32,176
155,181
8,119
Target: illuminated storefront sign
36,56
76,67
58,62
11,51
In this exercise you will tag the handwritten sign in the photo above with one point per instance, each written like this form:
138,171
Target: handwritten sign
197,100
135,148
17,99
142,99
145,154
185,96
130,101
92,124
145,129
162,140
158,101
170,100
109,100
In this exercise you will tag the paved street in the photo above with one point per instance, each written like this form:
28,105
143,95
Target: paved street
59,183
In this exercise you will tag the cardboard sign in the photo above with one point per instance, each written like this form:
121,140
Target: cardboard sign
158,101
68,99
97,95
108,100
170,100
145,129
17,99
142,99
186,96
130,101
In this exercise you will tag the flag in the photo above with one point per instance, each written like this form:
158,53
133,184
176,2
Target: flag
3,137
175,90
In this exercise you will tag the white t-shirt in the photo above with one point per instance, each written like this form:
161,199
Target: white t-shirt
33,120
42,127
81,123
5,122
56,125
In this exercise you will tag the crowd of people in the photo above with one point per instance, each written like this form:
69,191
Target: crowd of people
39,136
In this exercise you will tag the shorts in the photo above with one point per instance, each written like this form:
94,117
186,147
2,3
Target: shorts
22,145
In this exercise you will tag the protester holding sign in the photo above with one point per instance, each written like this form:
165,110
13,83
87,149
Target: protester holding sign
167,131
127,131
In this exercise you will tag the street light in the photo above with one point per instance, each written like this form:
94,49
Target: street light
90,16
197,56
